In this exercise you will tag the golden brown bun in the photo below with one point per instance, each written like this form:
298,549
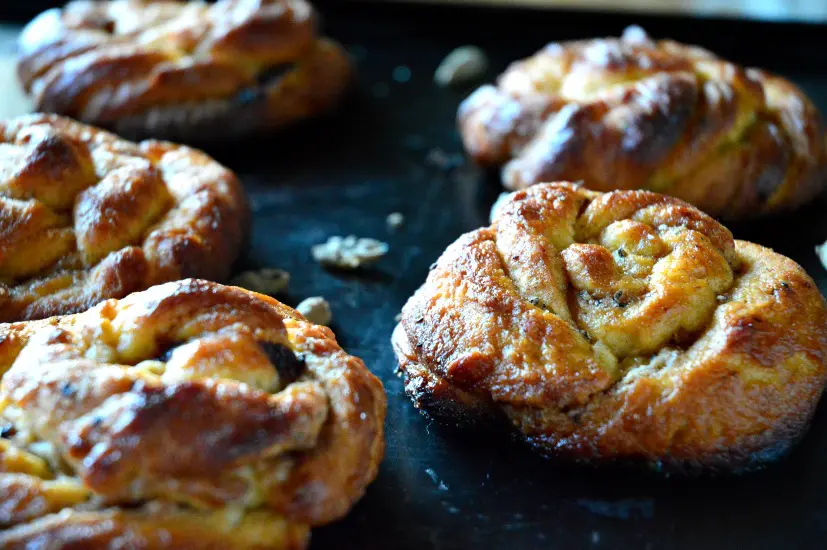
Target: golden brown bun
182,70
86,216
634,113
190,415
624,326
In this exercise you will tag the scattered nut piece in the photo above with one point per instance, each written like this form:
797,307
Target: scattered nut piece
442,160
499,203
398,317
316,310
265,281
462,65
395,220
349,252
821,250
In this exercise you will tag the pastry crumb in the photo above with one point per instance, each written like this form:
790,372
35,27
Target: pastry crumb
821,250
349,252
316,310
265,281
462,65
441,160
395,220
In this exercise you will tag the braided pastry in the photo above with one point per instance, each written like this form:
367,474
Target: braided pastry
182,70
632,113
191,415
85,216
620,326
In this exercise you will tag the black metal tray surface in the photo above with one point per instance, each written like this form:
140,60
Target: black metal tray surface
394,148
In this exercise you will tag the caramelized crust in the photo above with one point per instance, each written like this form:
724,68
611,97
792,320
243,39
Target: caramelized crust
634,113
86,216
182,70
620,326
190,415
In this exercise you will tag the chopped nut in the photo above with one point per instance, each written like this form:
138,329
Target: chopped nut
462,65
821,250
349,252
316,310
266,281
398,317
395,220
498,204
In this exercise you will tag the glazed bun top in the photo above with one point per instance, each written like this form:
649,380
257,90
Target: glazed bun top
181,70
638,113
191,397
86,215
622,325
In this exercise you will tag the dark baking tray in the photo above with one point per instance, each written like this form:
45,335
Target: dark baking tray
440,489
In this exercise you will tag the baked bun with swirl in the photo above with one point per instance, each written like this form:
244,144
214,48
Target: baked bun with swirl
86,216
635,113
190,415
618,327
179,70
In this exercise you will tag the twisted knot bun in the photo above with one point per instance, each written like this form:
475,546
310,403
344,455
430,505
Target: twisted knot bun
634,113
190,415
620,326
182,70
85,216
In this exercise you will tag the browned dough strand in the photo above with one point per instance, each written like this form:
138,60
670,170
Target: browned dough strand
635,113
179,70
624,326
190,415
86,216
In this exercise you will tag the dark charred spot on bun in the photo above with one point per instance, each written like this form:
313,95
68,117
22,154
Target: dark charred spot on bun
271,74
264,80
165,351
7,431
248,96
287,363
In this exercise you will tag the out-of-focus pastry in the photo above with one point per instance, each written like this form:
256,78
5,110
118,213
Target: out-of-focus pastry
190,415
635,113
182,70
624,326
86,216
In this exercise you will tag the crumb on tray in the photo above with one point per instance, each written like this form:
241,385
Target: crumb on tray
821,250
349,252
265,281
395,220
462,65
316,310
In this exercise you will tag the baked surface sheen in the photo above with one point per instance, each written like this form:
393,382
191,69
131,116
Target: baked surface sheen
624,326
191,415
635,113
86,216
182,70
